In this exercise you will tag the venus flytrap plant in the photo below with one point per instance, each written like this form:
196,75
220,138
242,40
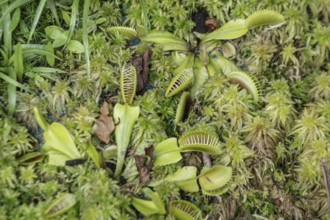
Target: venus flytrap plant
125,115
208,54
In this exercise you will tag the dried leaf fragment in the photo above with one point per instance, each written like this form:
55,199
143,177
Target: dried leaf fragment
144,164
104,126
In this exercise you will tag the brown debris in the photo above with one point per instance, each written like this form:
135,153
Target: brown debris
141,64
104,126
144,164
211,24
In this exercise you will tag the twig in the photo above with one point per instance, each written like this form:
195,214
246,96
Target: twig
326,178
206,160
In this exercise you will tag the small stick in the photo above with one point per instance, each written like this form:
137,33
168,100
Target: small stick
326,178
204,56
206,160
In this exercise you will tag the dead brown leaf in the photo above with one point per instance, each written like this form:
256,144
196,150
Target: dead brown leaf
104,126
144,164
211,24
141,64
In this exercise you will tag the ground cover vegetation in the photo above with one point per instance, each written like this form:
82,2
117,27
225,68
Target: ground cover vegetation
164,109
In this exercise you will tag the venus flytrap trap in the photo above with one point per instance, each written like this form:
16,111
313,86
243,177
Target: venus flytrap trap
201,142
183,107
185,210
60,205
215,180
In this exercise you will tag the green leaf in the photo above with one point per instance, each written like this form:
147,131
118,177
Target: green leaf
12,7
230,30
66,17
30,158
54,32
85,34
5,59
35,51
185,178
5,28
149,207
74,18
59,145
36,18
125,116
222,64
52,7
42,69
40,119
167,152
50,59
12,81
59,42
15,19
18,62
75,47
11,92
57,34
92,153
55,157
200,77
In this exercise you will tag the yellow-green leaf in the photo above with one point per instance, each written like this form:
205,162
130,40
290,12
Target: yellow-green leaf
57,158
230,30
59,139
16,17
92,153
185,178
167,152
125,117
50,59
75,46
18,62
